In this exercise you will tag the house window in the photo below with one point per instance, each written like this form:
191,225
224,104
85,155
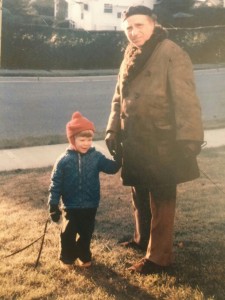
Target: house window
82,16
85,6
108,8
119,14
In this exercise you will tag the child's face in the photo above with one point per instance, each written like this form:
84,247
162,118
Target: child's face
83,143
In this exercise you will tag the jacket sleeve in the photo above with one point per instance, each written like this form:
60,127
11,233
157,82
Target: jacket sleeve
108,166
187,110
114,117
55,188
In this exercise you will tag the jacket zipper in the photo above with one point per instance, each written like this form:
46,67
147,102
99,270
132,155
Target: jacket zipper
79,169
80,179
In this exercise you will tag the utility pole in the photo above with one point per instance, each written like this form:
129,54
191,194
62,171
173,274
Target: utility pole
1,33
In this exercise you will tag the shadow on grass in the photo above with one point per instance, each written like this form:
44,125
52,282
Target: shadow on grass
201,266
114,284
198,267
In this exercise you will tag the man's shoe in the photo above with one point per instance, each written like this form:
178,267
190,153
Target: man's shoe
132,244
147,267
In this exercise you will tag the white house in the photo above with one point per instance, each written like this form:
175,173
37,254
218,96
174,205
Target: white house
100,14
209,3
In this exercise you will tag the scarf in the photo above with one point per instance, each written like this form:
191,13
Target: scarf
135,58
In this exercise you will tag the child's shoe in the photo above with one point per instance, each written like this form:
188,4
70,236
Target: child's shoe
65,266
83,264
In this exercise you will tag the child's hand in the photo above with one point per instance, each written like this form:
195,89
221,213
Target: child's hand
55,212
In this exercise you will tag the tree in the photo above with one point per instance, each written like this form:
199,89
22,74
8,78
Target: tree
174,6
167,8
17,7
29,7
42,7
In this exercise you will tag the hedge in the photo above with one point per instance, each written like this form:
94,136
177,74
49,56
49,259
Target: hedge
42,47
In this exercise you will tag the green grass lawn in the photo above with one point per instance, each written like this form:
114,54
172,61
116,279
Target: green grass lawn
199,241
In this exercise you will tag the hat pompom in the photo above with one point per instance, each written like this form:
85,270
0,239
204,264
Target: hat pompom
76,114
77,124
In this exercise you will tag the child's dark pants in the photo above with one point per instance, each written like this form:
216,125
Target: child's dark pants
76,233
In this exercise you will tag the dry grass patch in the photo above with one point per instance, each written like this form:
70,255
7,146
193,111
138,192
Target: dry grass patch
199,271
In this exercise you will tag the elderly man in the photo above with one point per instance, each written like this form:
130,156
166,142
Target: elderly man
156,117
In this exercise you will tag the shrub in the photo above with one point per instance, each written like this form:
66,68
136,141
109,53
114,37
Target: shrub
43,47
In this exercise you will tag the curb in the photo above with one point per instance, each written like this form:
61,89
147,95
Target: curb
56,73
45,156
68,73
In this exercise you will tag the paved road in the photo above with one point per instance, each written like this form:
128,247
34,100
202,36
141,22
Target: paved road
41,106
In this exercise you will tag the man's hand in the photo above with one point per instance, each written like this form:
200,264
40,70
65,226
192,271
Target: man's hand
117,156
111,142
189,148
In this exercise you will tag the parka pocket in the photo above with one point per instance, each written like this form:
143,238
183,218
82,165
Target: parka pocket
165,146
186,168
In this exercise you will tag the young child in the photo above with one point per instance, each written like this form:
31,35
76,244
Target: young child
75,181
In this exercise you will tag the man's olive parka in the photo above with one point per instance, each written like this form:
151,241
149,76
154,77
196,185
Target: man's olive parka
160,109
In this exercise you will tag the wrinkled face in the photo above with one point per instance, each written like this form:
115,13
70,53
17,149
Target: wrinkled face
83,144
138,29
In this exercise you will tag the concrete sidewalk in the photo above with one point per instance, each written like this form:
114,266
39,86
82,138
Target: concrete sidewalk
44,156
37,157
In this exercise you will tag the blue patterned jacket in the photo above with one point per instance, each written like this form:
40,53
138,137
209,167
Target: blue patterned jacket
75,178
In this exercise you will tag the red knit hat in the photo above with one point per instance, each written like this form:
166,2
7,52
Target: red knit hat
77,124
